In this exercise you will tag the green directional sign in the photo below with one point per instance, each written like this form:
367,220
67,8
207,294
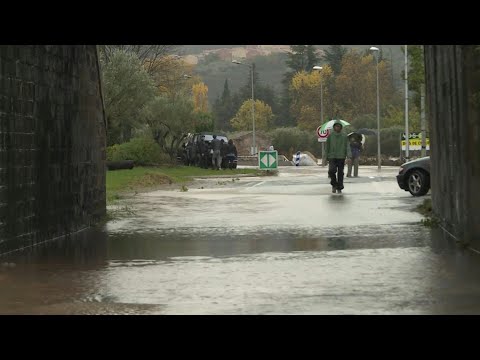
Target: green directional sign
268,160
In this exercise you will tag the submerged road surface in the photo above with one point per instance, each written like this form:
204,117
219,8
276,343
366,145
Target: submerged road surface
268,245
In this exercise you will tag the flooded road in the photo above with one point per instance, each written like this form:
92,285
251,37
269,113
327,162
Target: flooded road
269,245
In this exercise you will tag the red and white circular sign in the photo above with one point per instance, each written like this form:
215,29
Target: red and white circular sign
323,134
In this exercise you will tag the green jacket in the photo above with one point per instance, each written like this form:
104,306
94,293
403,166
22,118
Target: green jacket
338,146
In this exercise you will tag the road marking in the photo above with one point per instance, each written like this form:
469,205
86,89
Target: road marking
260,183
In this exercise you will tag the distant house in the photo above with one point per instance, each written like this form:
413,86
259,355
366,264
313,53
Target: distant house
244,141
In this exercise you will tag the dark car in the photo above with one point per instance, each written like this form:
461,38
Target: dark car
194,139
414,176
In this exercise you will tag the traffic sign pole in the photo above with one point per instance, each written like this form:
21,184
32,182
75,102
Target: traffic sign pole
322,137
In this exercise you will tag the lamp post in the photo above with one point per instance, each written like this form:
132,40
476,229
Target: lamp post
319,68
252,70
377,51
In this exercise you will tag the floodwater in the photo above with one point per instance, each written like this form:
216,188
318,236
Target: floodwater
270,245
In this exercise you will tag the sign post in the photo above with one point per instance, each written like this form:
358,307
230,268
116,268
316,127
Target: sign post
322,138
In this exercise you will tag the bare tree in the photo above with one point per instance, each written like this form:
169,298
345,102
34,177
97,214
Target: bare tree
150,55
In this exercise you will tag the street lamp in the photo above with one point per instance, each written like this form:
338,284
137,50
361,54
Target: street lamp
319,68
252,69
375,49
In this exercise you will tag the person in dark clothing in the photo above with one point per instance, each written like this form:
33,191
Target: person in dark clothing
338,149
223,152
202,149
353,161
231,153
216,156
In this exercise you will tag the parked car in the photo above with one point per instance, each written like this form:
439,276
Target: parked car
191,155
414,176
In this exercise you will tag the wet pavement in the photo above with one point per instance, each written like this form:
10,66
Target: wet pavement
269,245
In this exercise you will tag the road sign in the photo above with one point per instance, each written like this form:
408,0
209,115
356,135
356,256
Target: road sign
268,160
413,136
415,144
322,135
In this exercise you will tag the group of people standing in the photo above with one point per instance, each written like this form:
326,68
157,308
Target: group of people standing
220,151
215,154
340,147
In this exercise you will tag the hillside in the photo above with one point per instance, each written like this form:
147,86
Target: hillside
215,68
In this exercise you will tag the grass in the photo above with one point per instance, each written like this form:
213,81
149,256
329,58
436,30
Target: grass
139,178
426,210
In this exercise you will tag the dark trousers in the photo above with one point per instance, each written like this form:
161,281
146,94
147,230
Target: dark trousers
334,166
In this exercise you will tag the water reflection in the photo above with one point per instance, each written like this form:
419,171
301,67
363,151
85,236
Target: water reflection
162,245
389,269
85,248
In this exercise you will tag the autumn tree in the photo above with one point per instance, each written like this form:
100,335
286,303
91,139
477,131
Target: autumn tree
262,92
175,79
356,92
243,119
306,97
300,58
200,97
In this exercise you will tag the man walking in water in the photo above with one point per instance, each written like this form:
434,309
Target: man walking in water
338,149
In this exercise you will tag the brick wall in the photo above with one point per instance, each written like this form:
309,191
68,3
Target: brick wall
52,143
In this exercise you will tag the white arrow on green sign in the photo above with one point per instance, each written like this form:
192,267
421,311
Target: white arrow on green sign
267,160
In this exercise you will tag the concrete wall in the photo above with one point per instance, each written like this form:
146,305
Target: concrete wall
52,143
453,95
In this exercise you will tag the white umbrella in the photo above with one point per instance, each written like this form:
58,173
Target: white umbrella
329,124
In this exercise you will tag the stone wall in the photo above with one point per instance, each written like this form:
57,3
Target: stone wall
52,143
453,95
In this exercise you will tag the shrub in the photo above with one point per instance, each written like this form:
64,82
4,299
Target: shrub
290,140
142,150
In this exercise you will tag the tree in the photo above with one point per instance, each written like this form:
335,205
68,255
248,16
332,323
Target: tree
200,97
262,92
127,90
175,78
152,57
416,71
356,85
223,108
243,118
170,122
334,56
395,116
300,58
203,122
306,97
